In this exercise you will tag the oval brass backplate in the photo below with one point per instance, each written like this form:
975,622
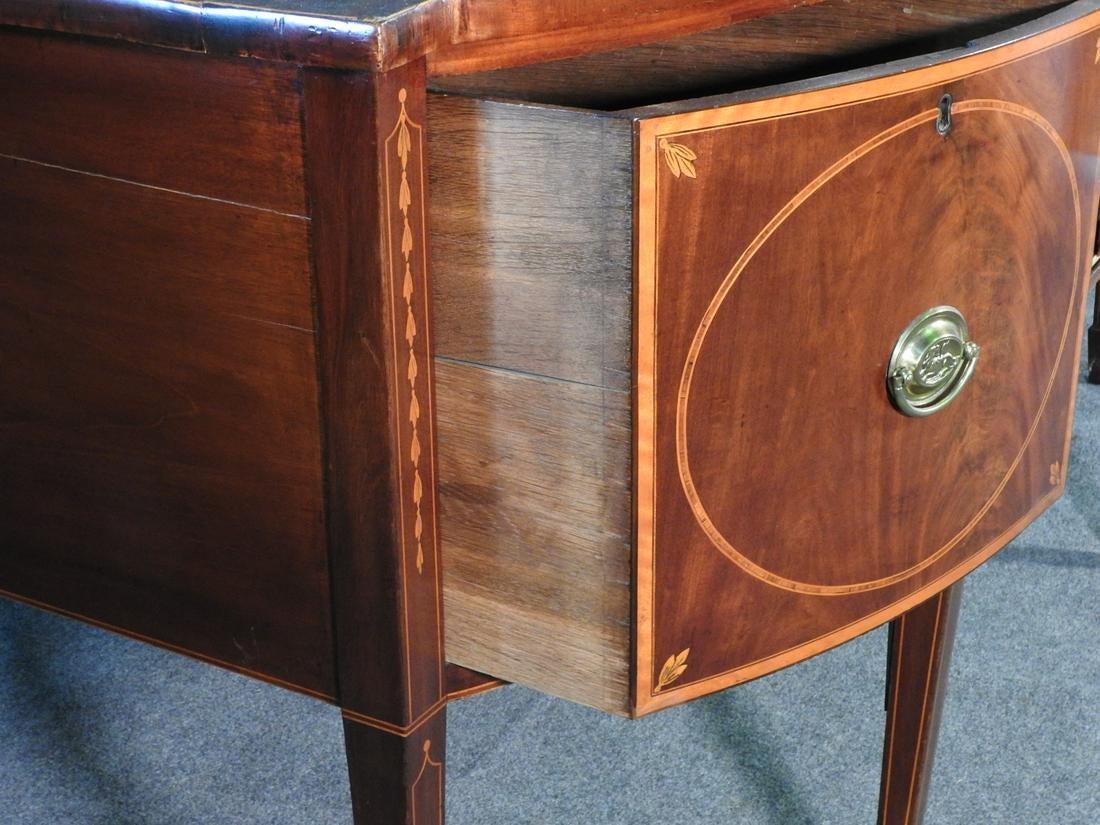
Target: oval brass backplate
931,363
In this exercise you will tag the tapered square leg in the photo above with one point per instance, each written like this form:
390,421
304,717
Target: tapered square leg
397,778
1094,342
920,655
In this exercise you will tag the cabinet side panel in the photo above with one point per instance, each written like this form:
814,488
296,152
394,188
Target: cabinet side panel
226,129
159,436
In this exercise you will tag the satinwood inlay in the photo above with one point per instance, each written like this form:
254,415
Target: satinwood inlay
756,440
408,292
680,159
429,764
673,669
697,353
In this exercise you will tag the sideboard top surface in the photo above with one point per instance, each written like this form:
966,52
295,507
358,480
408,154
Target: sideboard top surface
456,35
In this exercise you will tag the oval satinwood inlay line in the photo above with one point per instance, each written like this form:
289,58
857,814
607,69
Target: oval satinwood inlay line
975,184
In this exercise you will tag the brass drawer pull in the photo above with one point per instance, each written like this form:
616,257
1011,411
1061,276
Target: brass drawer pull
931,363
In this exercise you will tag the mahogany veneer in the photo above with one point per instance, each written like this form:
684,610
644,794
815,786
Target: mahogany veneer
160,343
301,358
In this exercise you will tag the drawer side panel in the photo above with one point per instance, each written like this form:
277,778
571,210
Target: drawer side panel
535,513
531,238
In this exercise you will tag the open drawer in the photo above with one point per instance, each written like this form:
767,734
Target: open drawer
725,382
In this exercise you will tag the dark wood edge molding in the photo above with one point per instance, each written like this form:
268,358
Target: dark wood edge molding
494,35
208,28
477,690
452,695
462,682
389,727
1077,10
456,35
130,634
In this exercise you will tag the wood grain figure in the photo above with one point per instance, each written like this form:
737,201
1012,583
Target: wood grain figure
924,500
161,343
390,351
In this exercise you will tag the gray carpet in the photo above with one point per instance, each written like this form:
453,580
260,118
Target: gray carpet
100,730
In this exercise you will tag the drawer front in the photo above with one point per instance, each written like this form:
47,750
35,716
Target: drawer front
787,498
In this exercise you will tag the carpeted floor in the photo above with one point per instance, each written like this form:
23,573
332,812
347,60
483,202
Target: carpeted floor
99,730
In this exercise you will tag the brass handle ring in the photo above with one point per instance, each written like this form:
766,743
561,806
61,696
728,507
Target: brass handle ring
932,361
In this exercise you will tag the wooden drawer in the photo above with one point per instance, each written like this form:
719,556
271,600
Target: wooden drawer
669,458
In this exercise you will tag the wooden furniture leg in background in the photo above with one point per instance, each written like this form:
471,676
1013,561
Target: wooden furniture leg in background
1094,341
365,167
918,661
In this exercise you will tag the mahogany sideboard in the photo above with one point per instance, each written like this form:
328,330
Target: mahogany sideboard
654,346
